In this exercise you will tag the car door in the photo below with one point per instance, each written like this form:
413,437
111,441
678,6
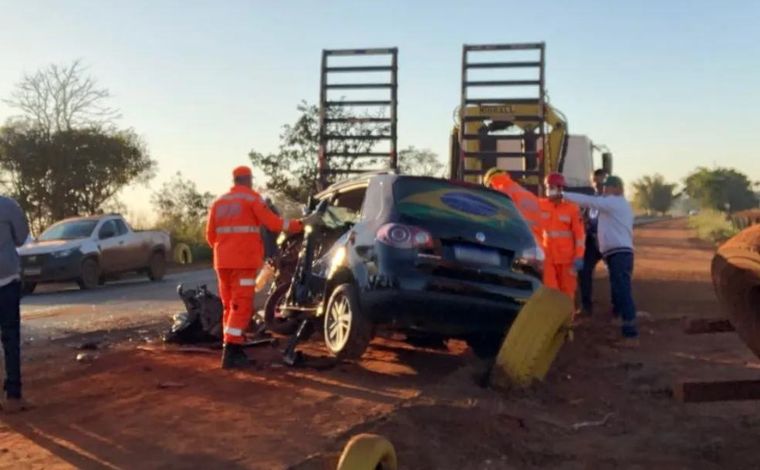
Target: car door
132,252
111,246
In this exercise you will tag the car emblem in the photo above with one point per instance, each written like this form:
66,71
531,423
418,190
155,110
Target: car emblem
481,237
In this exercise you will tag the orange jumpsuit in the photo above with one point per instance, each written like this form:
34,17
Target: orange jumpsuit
564,240
233,231
526,202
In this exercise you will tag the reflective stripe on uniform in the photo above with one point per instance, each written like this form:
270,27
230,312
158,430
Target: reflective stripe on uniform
247,197
285,224
564,218
545,215
247,282
580,243
233,331
238,229
558,233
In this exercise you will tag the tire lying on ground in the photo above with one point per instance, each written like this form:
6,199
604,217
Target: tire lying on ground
368,452
533,340
736,278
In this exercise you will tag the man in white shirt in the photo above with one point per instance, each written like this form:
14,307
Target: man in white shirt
615,236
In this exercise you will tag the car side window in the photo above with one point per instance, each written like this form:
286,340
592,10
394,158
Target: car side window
121,228
108,230
373,201
347,205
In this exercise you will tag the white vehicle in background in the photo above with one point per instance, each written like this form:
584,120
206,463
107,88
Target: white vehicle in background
89,250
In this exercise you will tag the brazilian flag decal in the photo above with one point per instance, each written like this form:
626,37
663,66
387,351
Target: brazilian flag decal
448,203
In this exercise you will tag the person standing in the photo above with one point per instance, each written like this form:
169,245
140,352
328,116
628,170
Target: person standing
591,254
615,234
527,203
233,230
564,237
14,231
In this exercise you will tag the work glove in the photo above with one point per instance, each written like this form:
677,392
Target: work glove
312,219
578,264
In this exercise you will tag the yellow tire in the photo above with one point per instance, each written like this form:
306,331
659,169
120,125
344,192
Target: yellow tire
368,452
534,339
182,254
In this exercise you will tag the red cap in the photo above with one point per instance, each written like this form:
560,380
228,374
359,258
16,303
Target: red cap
241,171
555,179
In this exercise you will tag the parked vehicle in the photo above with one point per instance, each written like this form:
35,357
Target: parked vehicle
416,254
89,250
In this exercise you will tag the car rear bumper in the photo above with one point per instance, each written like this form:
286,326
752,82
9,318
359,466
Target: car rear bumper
436,304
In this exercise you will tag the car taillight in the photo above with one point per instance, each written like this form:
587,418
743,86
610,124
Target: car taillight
531,260
404,236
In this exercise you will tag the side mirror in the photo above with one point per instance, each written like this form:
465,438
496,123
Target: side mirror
607,162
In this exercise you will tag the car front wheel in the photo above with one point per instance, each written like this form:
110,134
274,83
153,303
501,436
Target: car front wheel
347,330
90,275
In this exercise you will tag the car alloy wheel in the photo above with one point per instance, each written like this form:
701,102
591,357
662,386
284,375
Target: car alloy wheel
338,324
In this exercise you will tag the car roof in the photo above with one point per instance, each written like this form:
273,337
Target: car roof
96,218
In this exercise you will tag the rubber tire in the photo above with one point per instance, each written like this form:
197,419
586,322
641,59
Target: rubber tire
368,452
27,288
485,346
736,279
361,329
285,327
157,267
90,274
534,339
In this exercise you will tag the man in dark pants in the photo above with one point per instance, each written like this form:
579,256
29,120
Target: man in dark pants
592,255
14,231
615,232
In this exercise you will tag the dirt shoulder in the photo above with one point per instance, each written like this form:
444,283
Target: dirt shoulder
165,410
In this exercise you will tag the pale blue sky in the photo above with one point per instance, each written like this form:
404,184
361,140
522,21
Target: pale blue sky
666,85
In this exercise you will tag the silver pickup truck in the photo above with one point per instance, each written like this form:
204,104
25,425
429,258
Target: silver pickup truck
89,250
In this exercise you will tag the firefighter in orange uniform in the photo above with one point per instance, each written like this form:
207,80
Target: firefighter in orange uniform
526,202
233,231
564,238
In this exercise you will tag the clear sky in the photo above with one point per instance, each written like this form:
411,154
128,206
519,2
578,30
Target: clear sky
667,86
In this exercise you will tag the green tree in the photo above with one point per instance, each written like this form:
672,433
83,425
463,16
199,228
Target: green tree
293,170
63,155
421,162
721,189
182,209
654,194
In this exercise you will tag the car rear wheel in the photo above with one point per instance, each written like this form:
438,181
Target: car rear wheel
347,330
273,314
89,277
157,267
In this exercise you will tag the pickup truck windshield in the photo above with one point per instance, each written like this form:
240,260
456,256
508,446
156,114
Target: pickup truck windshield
69,230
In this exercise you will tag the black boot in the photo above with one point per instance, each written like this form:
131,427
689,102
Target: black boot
233,357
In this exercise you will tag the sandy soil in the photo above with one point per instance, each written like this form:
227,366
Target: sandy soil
132,408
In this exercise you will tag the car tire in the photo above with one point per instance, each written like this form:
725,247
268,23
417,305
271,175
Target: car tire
275,323
347,330
89,277
157,267
368,451
485,346
27,288
534,339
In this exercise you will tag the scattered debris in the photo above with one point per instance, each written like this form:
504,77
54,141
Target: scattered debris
165,385
183,349
86,358
89,346
591,424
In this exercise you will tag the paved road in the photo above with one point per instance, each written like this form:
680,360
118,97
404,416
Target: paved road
58,310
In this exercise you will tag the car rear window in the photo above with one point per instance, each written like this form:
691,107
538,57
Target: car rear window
430,198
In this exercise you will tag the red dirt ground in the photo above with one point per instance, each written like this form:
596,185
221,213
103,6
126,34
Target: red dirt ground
138,409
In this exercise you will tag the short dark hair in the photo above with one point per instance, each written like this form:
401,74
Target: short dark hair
600,172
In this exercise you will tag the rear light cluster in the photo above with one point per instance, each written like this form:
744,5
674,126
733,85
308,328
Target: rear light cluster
531,261
404,236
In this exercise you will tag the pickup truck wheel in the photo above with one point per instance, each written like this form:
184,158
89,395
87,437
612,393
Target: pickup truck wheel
157,267
347,330
89,277
27,288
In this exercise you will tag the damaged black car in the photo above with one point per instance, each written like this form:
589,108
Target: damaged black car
419,255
